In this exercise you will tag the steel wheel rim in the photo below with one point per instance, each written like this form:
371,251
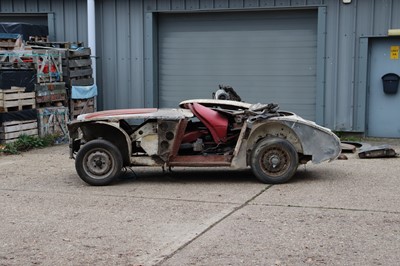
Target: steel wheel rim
98,163
275,161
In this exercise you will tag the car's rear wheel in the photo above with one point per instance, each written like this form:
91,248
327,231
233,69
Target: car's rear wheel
98,162
274,160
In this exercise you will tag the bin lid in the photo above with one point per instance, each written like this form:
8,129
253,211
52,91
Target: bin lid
390,76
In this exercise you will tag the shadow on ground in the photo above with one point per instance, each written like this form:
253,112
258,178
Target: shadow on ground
216,175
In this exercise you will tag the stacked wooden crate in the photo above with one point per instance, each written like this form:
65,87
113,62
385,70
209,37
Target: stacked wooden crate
51,94
13,102
48,93
38,62
16,99
48,65
77,71
53,121
10,41
53,112
77,67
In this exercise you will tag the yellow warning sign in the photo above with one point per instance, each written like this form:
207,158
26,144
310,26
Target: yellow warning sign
394,52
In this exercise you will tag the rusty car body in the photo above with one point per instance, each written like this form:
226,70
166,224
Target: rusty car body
199,133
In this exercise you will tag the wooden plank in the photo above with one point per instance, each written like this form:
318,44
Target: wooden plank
17,99
11,130
77,72
81,52
15,122
82,106
9,137
18,103
86,110
78,63
82,103
17,96
85,81
58,45
14,126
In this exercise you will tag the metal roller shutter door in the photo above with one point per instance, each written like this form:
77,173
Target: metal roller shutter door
267,56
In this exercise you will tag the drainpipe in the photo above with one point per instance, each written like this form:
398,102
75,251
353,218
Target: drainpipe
92,34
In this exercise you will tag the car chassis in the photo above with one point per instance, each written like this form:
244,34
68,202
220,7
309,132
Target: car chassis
200,133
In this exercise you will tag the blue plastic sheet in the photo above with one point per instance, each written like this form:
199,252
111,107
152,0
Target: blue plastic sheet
83,92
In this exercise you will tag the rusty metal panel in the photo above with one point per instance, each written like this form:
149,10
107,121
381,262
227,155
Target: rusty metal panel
201,160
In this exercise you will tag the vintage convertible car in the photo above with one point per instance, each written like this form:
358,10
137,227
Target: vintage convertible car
200,133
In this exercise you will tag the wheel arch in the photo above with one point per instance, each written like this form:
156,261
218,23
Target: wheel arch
110,132
272,129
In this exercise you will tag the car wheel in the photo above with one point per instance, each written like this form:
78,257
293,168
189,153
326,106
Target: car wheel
98,162
274,160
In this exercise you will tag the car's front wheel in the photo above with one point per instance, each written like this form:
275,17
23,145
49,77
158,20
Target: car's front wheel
274,160
98,162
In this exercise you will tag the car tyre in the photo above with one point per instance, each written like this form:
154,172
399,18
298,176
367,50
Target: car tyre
274,160
98,162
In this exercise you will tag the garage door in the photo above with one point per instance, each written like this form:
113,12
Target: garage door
266,56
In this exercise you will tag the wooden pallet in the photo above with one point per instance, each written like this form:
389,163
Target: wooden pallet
82,106
10,131
79,81
16,99
8,44
83,52
53,120
48,65
59,45
78,72
11,43
39,39
77,67
74,63
51,94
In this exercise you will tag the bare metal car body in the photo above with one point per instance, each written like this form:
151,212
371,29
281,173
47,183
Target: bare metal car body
200,133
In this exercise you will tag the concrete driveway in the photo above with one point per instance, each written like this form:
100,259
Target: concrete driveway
346,212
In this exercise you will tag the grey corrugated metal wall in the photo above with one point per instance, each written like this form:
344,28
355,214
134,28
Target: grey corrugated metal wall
121,53
70,16
343,103
345,90
125,28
